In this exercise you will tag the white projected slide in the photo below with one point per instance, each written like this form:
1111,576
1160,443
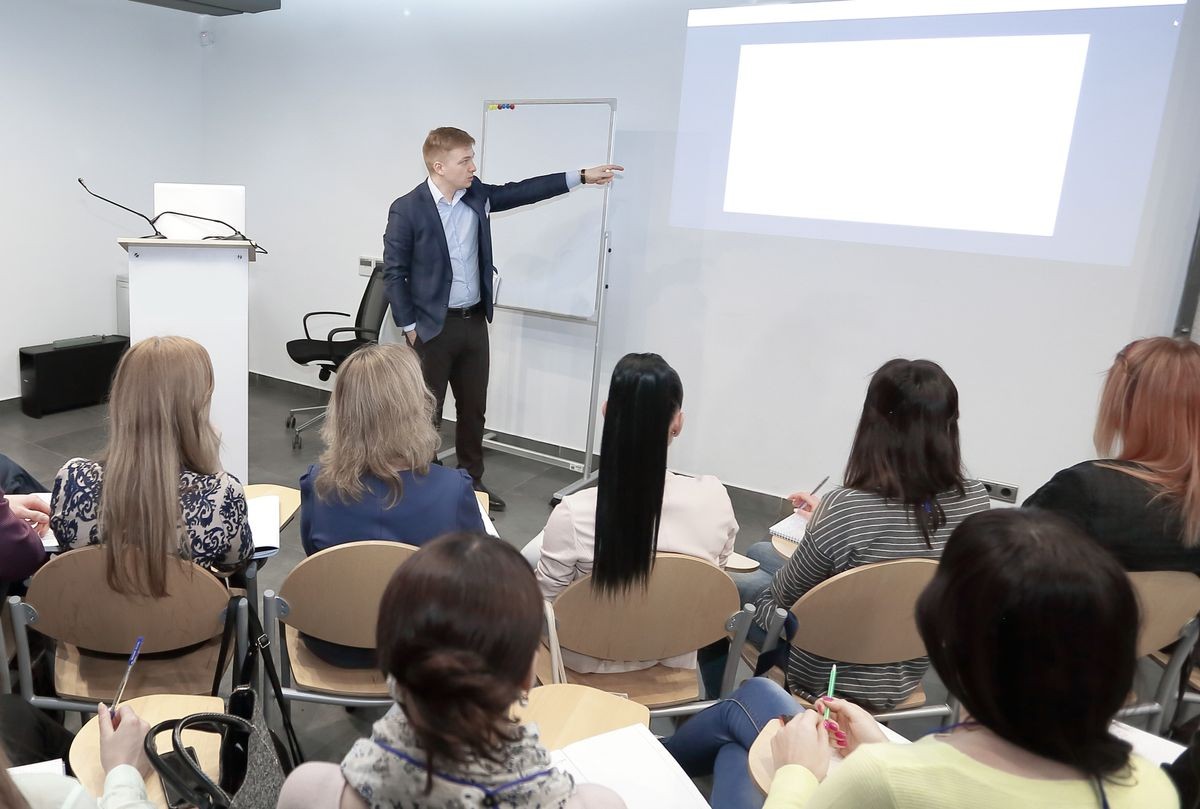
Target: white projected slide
968,133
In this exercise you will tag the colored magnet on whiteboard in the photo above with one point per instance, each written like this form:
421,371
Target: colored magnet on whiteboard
493,106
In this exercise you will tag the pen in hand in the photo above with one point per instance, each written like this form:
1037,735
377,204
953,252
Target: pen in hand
133,656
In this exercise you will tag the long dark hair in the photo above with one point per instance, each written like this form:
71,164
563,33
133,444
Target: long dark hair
1034,627
643,398
458,627
906,446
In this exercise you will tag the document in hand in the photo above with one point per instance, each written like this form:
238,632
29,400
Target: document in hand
49,541
635,765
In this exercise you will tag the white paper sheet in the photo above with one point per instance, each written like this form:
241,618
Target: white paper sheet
263,515
635,765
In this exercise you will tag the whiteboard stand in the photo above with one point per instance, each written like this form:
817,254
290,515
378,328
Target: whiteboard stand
590,474
581,127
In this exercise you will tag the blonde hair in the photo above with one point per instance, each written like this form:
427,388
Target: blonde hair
158,427
379,423
442,140
1150,415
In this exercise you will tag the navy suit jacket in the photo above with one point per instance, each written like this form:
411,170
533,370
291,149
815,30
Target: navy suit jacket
416,260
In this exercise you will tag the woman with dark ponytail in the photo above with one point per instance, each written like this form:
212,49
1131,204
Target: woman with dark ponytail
1033,627
458,628
903,493
637,508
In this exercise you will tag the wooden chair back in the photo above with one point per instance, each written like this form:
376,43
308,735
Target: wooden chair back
865,615
1167,599
683,607
334,594
75,605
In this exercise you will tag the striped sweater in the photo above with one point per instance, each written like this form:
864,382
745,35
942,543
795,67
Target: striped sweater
849,529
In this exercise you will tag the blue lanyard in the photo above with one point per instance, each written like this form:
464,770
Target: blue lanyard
490,794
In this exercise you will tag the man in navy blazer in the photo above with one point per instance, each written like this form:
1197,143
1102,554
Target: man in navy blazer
437,267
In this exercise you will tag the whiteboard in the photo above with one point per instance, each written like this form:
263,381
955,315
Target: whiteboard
550,254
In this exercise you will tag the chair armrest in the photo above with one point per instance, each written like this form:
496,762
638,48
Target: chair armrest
308,336
367,334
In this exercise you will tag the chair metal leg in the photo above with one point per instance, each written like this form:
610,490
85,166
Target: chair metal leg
739,624
314,420
21,618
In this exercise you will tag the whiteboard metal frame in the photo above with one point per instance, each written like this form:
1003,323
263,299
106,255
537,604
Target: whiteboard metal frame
596,319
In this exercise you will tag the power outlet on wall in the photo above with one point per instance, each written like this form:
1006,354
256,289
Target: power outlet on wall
1004,492
367,265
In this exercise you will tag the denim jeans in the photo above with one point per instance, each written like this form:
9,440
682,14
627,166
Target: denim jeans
717,741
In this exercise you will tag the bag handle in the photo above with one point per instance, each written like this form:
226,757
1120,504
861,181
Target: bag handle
260,643
231,610
209,795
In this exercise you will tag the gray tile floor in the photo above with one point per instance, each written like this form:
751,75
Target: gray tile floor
43,445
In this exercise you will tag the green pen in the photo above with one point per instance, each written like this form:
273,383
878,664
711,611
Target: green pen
829,691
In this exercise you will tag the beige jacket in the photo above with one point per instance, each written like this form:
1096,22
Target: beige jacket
697,520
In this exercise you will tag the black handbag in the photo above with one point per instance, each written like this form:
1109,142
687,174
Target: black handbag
254,761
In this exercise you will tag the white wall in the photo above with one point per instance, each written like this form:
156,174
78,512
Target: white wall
320,109
106,90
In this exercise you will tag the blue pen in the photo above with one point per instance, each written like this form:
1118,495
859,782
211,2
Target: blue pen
133,656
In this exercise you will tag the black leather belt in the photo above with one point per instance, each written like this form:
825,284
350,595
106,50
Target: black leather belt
469,311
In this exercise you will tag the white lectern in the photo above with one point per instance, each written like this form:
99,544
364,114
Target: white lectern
200,289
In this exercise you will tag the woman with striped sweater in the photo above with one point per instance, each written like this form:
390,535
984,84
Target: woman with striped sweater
904,493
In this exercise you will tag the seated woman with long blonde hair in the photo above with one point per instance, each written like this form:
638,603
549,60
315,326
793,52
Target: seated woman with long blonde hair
158,489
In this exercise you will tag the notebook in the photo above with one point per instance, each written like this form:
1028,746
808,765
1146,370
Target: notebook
635,765
263,515
1147,745
791,528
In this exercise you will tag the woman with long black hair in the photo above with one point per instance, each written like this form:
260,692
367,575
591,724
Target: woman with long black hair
612,531
904,493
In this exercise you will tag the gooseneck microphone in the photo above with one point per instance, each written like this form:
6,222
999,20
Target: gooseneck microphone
156,235
235,234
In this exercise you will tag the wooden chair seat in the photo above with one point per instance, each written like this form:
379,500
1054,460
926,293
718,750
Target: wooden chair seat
1161,658
85,676
656,687
289,499
311,673
565,714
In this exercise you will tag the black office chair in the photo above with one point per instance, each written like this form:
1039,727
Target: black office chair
328,354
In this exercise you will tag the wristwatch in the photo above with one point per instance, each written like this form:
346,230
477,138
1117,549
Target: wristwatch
582,177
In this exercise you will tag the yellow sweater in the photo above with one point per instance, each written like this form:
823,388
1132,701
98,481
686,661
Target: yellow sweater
933,775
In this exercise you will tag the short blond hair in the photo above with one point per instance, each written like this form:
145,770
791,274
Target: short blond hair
440,141
379,423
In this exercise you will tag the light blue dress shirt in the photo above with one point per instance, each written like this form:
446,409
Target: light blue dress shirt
461,225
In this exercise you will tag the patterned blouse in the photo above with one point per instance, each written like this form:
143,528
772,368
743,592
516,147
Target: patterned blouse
388,772
214,512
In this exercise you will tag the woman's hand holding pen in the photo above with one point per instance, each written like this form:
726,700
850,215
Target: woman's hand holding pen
804,740
851,724
804,503
121,739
